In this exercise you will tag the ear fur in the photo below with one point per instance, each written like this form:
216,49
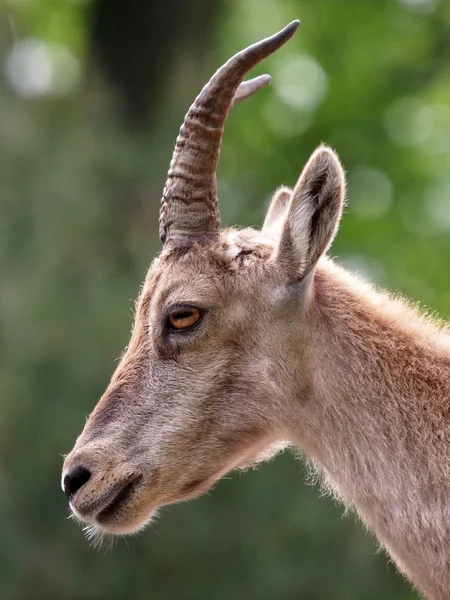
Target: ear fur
276,212
313,214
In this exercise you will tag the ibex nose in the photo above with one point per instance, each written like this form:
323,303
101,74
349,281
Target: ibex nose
75,479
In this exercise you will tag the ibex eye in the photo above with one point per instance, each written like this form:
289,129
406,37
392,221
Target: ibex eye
184,318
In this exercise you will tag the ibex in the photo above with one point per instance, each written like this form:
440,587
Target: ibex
246,340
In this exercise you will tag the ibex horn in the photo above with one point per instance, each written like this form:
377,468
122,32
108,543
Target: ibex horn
189,208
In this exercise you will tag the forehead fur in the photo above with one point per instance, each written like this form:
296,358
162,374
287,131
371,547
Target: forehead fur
235,250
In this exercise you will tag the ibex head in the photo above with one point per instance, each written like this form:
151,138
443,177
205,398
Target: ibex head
205,384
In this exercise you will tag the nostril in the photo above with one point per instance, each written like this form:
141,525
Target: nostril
75,479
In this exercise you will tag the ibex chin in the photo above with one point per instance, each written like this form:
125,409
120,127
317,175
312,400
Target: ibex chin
245,340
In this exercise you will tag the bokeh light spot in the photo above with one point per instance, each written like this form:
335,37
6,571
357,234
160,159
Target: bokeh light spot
420,6
437,140
437,204
407,123
28,68
300,82
370,193
35,69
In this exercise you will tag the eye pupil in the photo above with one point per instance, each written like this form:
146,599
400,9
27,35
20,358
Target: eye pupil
183,319
182,315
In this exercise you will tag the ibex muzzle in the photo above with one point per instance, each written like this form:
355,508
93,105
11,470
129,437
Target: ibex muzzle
196,391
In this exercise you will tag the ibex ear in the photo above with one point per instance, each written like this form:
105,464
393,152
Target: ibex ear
313,214
276,212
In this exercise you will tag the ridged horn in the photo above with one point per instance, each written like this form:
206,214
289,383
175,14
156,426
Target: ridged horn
189,207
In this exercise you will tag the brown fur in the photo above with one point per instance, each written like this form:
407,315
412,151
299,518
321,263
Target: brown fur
292,349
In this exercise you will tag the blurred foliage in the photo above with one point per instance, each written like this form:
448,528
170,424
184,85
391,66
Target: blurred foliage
79,201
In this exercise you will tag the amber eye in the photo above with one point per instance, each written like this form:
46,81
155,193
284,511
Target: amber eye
184,318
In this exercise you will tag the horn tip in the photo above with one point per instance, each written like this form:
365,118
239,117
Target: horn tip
287,32
264,79
293,25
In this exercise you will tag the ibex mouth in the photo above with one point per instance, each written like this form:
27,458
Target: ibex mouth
120,499
105,504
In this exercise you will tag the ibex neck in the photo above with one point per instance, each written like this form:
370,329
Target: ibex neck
379,420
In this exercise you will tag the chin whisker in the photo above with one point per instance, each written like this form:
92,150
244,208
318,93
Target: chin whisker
98,539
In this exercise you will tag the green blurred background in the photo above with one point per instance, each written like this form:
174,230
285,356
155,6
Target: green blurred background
92,93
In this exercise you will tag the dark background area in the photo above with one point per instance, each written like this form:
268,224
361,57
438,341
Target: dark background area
91,97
